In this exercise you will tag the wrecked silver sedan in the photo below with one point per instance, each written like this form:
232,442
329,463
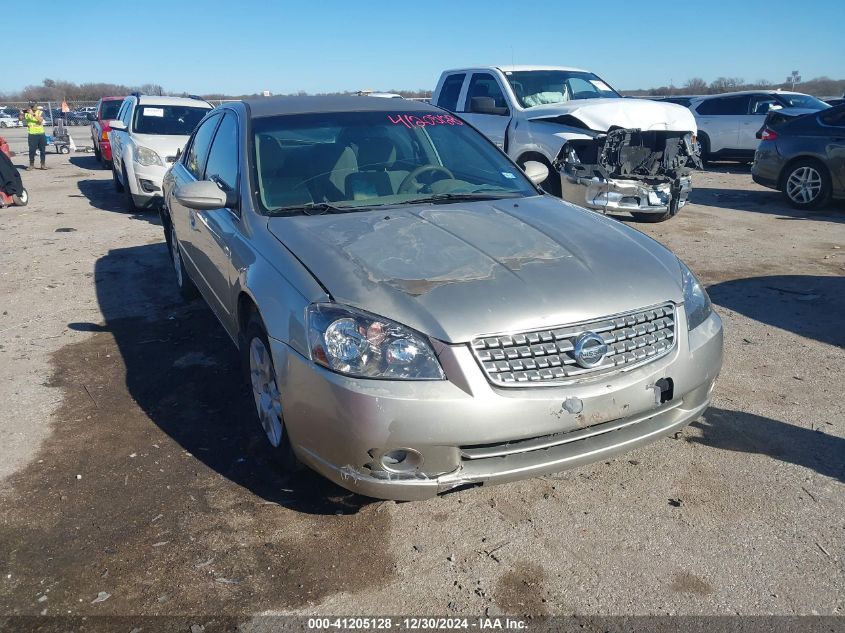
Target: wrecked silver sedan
413,313
645,173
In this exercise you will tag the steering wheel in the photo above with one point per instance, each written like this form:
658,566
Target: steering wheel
411,179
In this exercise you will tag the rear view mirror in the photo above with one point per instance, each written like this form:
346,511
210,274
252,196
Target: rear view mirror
118,125
537,172
202,195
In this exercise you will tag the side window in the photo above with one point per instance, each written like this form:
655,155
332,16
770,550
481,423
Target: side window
198,151
725,106
761,104
449,92
222,164
485,85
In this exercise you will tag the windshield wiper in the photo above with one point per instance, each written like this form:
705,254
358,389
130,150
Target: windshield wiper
311,208
450,197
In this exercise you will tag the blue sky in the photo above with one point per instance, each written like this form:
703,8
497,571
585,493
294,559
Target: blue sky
243,46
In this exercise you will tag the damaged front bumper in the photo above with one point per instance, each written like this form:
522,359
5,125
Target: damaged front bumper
644,173
466,431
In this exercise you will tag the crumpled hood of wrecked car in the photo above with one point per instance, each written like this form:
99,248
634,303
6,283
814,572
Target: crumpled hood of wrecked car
454,271
602,114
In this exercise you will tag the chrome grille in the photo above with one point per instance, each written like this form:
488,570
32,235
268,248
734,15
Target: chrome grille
546,356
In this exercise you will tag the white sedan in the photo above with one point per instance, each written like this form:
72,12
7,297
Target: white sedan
8,120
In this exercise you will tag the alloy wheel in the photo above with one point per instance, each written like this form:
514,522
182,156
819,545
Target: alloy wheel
265,391
804,185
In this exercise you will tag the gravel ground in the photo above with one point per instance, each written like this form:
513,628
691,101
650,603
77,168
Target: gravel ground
132,482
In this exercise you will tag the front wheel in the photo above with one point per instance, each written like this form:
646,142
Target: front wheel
22,199
127,192
118,187
703,148
806,184
258,362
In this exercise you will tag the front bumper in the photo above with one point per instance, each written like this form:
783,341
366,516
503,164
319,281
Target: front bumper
146,183
615,195
465,431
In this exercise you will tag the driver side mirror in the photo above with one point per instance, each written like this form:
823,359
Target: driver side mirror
204,195
486,105
536,171
118,125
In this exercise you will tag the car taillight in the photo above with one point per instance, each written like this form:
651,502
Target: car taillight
105,135
768,135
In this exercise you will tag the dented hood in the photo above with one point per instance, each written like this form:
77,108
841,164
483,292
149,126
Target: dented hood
455,271
602,114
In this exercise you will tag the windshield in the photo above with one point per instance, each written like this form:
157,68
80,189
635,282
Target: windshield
355,160
802,101
540,87
109,109
170,120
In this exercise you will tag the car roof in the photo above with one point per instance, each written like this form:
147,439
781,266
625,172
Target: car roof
516,68
184,101
260,107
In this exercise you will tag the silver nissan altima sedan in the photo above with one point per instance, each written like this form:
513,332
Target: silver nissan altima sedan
415,315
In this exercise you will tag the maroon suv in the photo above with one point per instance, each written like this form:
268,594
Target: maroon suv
107,108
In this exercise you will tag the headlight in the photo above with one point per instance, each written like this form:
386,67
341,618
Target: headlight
146,156
352,342
696,302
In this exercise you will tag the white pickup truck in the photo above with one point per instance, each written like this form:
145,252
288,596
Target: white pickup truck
603,151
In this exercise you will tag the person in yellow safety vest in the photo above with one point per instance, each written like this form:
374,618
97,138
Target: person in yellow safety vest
33,117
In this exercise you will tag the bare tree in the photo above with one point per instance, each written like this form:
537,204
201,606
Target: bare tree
695,86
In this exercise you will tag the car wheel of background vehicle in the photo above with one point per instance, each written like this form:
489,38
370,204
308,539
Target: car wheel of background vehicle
258,363
704,148
651,217
806,184
186,287
98,154
117,186
127,192
22,199
2,124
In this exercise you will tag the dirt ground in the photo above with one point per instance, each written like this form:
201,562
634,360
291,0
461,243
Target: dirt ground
133,482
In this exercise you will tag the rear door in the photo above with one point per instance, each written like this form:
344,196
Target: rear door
494,124
719,118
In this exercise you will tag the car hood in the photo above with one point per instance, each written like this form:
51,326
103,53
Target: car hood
602,114
163,145
455,271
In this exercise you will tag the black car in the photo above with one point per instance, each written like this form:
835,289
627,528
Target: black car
804,157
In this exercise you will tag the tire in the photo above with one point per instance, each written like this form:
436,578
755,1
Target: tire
98,154
187,289
261,377
127,192
21,200
704,148
65,149
806,184
2,124
651,218
117,186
